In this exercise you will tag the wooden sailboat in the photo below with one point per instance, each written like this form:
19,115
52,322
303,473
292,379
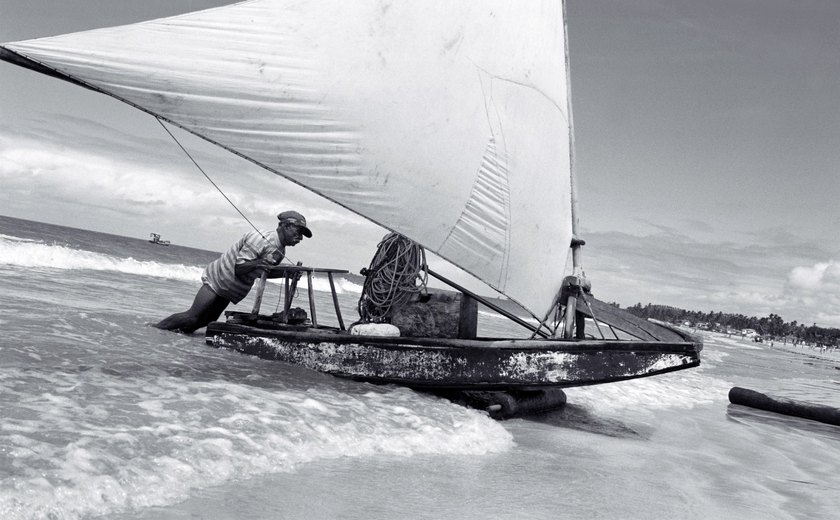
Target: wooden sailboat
447,122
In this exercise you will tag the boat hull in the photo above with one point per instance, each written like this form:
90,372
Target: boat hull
432,363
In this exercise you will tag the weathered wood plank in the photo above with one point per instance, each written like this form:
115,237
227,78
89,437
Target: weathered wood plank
629,323
434,315
442,363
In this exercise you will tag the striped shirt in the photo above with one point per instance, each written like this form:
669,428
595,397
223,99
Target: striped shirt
220,275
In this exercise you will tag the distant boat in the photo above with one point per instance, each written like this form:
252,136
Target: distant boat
155,239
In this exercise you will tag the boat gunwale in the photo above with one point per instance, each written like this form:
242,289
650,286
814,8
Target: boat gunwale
400,342
261,343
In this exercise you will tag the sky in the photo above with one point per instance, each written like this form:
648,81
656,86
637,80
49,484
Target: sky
707,145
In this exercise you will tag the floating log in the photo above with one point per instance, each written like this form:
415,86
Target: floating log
814,412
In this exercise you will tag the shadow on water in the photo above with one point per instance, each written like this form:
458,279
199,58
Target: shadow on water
579,418
754,417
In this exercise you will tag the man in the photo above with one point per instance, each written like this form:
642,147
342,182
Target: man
230,277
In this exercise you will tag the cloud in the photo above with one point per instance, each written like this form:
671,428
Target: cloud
90,176
755,277
148,174
48,173
816,287
822,276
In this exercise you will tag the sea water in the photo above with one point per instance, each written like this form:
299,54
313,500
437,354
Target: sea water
102,415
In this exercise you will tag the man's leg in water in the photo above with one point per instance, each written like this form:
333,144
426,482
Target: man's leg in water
206,307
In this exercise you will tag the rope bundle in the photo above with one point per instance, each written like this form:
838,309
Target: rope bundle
392,277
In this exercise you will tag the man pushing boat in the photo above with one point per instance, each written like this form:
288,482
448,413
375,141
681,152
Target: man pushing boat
229,278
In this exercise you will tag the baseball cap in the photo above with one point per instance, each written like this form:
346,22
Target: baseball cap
296,218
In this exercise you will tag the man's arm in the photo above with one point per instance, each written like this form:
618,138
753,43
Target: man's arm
245,270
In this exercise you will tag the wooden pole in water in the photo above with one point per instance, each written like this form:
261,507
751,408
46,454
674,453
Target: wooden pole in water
814,412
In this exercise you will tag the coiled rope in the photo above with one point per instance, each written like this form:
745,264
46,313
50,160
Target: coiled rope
392,277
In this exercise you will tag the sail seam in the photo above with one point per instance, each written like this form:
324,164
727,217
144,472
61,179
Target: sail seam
478,219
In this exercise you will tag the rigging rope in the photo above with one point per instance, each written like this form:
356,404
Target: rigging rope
592,313
392,277
159,120
208,177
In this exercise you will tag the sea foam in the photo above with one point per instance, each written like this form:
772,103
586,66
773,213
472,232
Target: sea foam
115,445
29,253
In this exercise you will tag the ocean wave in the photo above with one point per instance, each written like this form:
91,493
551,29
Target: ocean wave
154,440
342,286
28,253
21,252
683,389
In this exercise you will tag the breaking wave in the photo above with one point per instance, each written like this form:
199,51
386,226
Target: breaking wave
122,444
34,254
29,253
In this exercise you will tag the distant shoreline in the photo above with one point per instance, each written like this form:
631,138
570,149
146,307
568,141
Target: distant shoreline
801,349
805,350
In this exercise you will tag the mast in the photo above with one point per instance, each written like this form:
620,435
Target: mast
576,242
572,284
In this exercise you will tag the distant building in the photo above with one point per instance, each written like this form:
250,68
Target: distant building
749,333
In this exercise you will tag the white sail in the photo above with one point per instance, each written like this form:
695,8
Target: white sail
445,120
